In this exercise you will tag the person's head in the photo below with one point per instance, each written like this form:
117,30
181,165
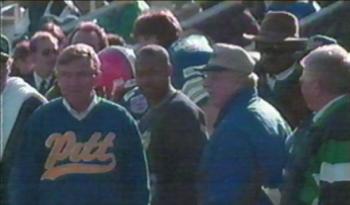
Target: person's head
153,70
157,27
115,40
44,51
117,71
56,31
229,70
22,63
278,42
91,34
77,70
4,69
326,75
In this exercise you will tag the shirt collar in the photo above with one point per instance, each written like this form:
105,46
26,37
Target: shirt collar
271,79
319,114
170,94
38,80
81,115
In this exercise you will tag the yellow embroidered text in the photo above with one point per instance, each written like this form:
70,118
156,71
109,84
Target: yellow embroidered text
66,147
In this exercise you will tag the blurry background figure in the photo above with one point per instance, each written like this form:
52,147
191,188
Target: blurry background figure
281,47
22,64
117,71
300,8
229,26
18,100
115,40
56,31
5,46
89,33
122,22
44,50
40,11
157,27
318,40
84,6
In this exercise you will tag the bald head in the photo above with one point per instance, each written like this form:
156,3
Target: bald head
153,54
153,70
331,64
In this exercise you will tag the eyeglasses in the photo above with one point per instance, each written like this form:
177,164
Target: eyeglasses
48,52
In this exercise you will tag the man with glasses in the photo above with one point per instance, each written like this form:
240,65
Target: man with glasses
280,45
246,150
79,149
44,51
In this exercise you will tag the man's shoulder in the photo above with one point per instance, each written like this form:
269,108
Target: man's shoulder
181,105
110,105
337,124
257,113
51,106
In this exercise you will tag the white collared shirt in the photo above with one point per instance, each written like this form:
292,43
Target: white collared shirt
271,79
81,115
328,105
38,80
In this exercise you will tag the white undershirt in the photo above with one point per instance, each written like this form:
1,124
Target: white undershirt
271,79
38,80
81,115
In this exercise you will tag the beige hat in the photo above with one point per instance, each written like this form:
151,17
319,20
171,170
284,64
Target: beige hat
230,57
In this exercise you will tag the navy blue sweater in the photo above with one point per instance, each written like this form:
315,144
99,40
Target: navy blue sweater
98,160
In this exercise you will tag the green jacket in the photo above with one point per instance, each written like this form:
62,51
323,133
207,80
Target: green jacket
122,22
319,167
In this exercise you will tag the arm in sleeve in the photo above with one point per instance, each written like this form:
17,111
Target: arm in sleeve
133,166
179,142
26,166
230,175
334,174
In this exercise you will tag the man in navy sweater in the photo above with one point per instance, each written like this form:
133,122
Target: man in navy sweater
79,149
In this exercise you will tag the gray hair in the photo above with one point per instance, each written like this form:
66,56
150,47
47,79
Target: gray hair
332,64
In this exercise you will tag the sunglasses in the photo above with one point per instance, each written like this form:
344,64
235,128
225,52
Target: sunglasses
48,52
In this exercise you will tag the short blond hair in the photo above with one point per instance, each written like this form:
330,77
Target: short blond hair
76,52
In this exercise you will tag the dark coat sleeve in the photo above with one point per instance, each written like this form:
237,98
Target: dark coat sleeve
15,139
178,141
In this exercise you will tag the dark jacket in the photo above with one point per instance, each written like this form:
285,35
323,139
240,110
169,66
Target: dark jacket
246,151
177,135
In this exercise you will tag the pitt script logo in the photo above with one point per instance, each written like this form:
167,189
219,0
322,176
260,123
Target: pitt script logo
65,147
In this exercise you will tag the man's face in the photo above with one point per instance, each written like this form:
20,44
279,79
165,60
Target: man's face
44,58
221,86
309,88
152,79
76,80
274,58
88,38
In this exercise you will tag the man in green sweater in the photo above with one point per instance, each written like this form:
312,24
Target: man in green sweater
79,149
319,168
